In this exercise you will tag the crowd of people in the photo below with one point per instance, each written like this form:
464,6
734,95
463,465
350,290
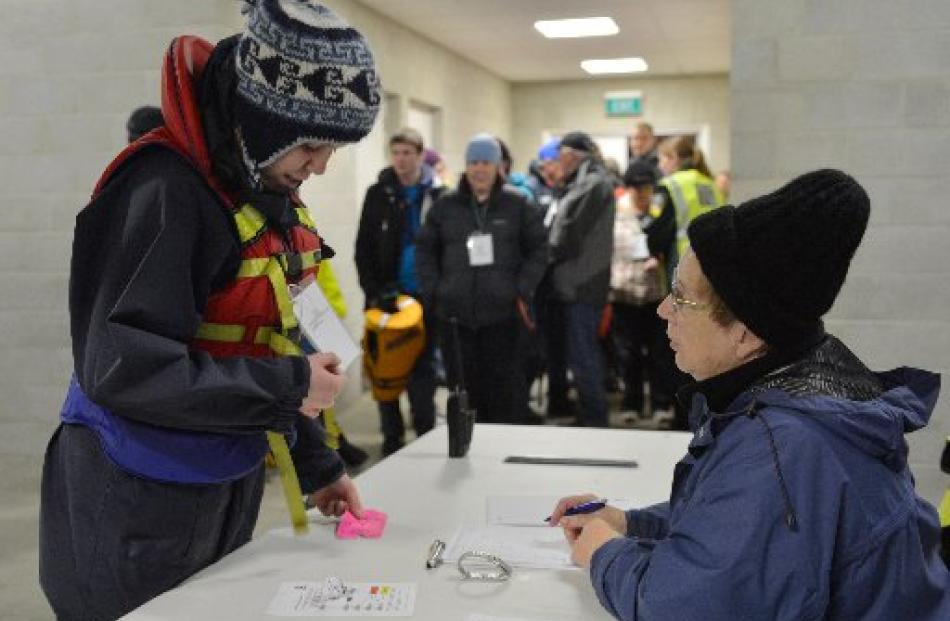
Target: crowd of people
794,501
554,276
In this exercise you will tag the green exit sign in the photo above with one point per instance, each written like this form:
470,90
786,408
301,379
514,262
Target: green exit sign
623,103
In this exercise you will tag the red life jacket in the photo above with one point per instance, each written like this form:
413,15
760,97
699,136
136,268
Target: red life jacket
253,314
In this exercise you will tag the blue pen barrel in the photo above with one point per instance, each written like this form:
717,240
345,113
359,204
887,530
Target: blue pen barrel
583,508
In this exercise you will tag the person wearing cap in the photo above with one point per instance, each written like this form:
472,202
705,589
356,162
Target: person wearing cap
581,242
644,231
479,256
795,500
544,173
393,210
185,346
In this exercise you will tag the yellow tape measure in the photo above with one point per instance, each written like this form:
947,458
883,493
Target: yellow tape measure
288,480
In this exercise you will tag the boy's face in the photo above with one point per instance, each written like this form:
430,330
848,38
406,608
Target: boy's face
294,167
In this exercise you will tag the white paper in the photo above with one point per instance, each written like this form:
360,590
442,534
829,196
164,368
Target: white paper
320,324
364,599
519,510
542,548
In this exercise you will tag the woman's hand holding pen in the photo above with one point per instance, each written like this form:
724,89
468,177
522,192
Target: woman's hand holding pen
587,532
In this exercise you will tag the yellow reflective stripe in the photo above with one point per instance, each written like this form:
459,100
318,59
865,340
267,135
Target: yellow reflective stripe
283,346
279,343
289,481
249,222
220,332
332,439
303,216
232,333
251,268
275,274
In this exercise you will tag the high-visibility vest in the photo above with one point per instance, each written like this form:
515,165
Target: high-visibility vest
693,194
254,315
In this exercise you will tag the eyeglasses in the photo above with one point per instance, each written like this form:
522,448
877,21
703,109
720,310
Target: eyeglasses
679,302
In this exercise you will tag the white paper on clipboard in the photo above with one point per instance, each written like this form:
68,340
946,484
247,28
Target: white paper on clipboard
322,327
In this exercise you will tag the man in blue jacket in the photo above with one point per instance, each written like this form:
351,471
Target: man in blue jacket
794,500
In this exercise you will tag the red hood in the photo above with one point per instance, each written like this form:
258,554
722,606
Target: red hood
185,60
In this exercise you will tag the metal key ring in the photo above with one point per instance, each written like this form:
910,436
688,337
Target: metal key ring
499,570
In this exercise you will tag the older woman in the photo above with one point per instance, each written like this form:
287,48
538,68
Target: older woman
795,500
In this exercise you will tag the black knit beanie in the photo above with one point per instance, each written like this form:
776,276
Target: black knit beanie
779,260
579,141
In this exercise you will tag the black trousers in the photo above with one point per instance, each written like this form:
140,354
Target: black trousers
494,374
111,541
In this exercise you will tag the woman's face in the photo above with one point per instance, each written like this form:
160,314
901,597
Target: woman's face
294,167
703,346
669,163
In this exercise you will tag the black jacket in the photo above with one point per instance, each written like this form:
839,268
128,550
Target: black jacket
484,295
660,227
379,238
147,253
581,237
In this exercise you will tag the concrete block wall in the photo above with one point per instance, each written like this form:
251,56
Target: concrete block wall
861,85
71,74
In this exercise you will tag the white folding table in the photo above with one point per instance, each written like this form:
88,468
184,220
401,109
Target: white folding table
428,496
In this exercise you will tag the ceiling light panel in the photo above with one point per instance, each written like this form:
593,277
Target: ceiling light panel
614,65
576,28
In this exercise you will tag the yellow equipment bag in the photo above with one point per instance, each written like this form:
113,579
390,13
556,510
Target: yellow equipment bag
392,343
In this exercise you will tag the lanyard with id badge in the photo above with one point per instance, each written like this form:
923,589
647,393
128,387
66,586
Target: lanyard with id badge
481,249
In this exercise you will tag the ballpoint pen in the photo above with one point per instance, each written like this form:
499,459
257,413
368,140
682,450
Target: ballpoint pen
586,507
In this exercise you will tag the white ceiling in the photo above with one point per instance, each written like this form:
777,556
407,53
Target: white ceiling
675,37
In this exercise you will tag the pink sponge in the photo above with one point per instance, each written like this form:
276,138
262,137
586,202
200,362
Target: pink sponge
371,525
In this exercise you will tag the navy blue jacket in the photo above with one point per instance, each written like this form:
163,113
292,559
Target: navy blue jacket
788,507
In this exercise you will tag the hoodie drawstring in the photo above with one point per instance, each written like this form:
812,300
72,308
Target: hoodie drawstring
791,520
